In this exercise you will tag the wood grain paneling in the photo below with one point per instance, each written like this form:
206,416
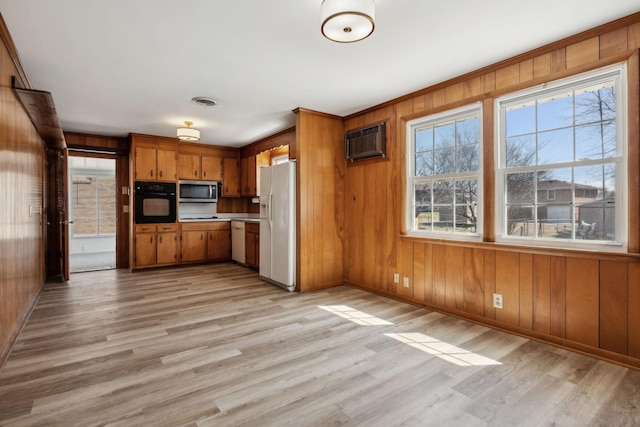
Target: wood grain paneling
526,291
542,294
454,296
489,283
634,310
583,52
582,300
614,306
22,165
613,43
439,275
507,284
320,191
558,296
473,281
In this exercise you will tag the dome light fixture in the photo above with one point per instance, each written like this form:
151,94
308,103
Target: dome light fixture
347,21
188,133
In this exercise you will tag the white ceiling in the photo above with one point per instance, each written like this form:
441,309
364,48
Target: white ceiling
120,66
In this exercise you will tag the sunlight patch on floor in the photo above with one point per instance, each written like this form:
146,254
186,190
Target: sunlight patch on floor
356,316
443,350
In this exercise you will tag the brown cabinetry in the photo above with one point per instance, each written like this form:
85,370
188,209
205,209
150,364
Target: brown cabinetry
250,173
230,178
193,166
154,164
252,244
155,245
205,241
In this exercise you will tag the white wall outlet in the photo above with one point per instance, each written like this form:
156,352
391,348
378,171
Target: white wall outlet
405,282
396,277
497,300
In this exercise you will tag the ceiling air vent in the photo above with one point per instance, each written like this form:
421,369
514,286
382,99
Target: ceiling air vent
364,143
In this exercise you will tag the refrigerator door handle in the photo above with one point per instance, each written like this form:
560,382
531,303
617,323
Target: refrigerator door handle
271,207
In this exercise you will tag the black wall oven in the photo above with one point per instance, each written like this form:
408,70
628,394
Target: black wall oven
155,202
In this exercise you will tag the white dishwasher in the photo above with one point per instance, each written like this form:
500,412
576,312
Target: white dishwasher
237,241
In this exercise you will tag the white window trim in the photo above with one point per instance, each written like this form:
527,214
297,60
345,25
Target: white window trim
410,145
621,162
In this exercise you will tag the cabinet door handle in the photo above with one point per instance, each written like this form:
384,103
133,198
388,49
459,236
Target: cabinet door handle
160,239
151,239
195,173
204,174
151,172
202,237
160,174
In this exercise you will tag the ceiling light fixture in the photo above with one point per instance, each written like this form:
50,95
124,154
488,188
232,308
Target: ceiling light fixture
347,21
188,133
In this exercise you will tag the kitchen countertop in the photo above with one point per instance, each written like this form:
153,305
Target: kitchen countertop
219,219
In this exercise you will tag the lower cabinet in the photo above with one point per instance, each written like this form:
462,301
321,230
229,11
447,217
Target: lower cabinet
203,241
155,245
252,244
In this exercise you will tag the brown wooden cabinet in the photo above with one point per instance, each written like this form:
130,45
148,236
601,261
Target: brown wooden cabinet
154,164
193,166
211,168
202,241
155,245
250,173
252,244
219,244
230,178
193,245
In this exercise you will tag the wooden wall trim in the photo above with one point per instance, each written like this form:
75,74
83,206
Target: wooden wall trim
530,55
279,139
633,154
13,53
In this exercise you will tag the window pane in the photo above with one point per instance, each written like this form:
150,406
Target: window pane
520,119
521,151
519,188
555,112
520,221
595,104
445,135
444,161
467,158
443,193
424,139
466,205
423,210
596,141
85,205
424,163
107,205
468,131
595,202
555,146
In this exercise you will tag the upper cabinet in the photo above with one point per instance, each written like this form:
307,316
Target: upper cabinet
250,173
230,178
154,164
199,167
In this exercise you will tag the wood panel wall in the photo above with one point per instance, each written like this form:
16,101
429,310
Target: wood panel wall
320,173
585,301
21,221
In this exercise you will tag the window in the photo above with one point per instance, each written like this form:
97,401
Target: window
93,204
560,162
443,171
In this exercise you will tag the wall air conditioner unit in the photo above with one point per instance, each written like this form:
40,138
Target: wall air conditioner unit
364,143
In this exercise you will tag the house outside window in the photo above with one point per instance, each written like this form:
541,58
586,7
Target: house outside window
560,163
443,171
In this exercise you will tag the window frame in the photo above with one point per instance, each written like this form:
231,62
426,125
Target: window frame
474,109
617,73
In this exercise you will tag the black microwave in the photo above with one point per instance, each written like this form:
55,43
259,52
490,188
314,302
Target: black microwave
198,191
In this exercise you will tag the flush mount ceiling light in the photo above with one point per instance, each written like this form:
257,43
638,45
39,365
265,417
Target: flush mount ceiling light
347,21
188,133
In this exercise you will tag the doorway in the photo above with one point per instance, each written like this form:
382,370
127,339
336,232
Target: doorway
93,212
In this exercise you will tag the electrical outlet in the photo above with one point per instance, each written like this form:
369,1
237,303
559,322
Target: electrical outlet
497,300
405,282
396,277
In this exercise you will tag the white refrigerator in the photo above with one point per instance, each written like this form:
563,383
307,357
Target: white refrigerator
278,224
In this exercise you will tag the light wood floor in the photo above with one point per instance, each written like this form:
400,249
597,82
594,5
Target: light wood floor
215,346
